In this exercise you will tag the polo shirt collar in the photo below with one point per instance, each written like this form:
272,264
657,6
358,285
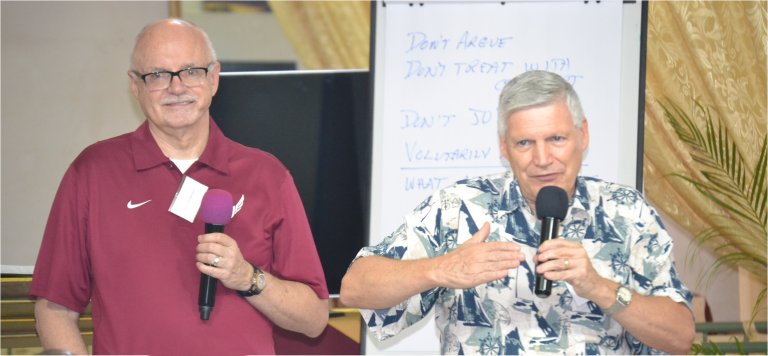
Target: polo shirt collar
147,153
216,153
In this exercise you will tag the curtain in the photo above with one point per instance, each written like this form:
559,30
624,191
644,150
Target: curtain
327,34
713,52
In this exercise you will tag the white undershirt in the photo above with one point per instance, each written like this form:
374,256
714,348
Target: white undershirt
183,164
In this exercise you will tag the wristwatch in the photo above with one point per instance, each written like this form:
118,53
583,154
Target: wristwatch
258,283
623,298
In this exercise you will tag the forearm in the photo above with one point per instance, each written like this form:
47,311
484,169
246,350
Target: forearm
57,328
376,282
656,321
292,306
660,323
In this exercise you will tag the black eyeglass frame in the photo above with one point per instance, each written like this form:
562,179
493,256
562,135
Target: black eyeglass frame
173,74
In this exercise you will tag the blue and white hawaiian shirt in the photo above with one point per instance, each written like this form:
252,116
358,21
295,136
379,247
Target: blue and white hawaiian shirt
621,233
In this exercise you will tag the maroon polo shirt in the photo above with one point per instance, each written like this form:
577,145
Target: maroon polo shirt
135,263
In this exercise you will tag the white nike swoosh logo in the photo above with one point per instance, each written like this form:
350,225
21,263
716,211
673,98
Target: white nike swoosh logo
134,206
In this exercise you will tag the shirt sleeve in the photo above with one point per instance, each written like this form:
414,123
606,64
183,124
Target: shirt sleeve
62,270
653,262
293,242
414,239
653,266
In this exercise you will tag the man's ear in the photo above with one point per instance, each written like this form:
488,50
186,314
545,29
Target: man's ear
214,77
584,135
133,79
503,149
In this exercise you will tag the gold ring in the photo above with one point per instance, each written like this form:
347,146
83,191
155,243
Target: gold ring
566,263
216,261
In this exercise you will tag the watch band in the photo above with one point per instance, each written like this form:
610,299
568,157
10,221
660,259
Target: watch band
623,298
258,283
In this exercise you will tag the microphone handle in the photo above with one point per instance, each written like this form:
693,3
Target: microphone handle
207,296
549,226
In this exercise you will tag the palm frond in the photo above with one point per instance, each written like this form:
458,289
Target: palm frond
759,306
720,194
758,189
738,229
727,181
709,348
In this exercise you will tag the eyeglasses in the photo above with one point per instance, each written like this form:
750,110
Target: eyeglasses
160,80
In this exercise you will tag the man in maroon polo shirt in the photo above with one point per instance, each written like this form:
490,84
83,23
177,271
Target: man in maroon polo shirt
124,234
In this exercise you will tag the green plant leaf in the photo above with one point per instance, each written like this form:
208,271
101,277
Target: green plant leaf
738,227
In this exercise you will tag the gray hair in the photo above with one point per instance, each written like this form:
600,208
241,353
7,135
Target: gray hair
536,88
144,29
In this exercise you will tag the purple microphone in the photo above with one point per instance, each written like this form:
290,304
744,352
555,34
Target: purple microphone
215,212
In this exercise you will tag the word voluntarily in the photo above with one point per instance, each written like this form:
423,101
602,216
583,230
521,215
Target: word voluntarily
416,153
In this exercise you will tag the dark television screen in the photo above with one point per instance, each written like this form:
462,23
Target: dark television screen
319,125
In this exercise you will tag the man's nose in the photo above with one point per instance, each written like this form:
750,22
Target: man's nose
542,155
176,84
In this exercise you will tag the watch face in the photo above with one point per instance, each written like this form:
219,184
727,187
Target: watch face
258,282
261,281
623,295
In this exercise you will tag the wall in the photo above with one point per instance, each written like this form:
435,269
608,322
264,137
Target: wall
64,86
721,291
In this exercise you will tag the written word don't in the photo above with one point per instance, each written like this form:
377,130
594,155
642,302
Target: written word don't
420,41
414,152
413,119
419,69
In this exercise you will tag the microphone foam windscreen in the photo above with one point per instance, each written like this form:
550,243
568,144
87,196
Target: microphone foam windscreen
551,202
216,208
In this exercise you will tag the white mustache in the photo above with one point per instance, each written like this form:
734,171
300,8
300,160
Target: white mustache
177,99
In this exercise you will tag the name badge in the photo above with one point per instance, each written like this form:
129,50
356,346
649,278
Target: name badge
188,198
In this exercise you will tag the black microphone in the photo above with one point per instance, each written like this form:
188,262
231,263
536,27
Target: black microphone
551,207
215,212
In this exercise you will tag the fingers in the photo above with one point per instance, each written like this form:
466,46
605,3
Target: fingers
478,263
559,265
216,244
558,249
211,264
219,267
216,251
481,234
216,237
559,259
490,255
557,243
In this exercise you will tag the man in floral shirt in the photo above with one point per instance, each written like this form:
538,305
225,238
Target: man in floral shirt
471,251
